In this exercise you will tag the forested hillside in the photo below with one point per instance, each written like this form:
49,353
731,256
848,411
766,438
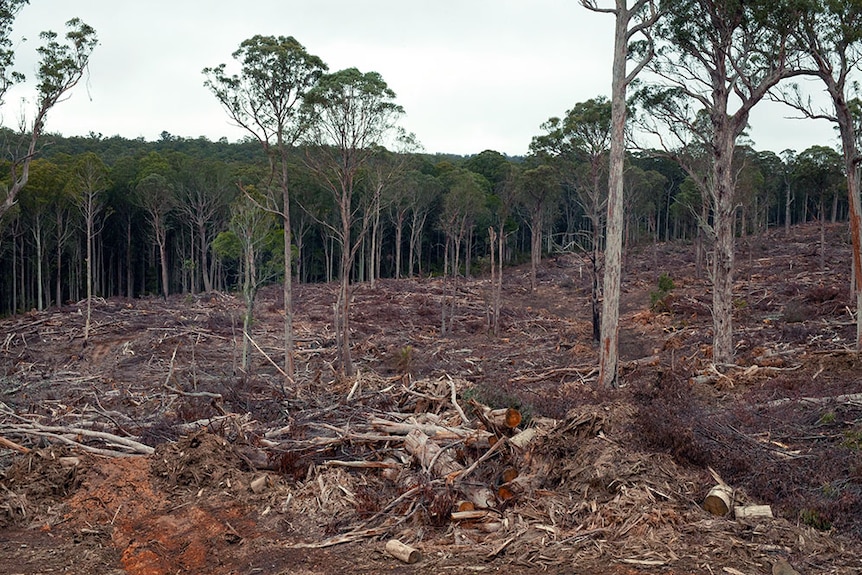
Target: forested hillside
44,237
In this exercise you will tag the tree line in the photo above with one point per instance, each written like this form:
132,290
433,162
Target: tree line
166,206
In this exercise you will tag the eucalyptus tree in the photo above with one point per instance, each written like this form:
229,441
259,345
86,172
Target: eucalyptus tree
630,22
643,197
423,195
252,240
820,171
384,171
579,144
36,200
539,193
155,194
61,66
352,114
462,204
788,160
203,194
265,98
397,208
715,60
831,34
89,183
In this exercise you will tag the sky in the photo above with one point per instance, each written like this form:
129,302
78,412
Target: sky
472,75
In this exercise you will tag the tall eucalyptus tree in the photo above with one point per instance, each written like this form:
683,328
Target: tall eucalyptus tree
629,22
265,98
715,60
352,113
831,33
61,67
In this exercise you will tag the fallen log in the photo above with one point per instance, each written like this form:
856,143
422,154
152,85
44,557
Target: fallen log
8,444
523,439
505,418
752,511
719,500
471,437
430,455
403,552
435,459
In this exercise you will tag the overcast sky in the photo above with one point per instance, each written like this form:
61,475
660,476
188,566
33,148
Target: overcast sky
471,74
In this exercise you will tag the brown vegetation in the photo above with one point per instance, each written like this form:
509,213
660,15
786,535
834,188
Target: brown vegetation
151,452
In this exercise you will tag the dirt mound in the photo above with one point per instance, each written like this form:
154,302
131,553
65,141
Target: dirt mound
35,483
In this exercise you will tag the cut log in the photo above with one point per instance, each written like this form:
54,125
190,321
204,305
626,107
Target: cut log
506,418
476,437
504,493
8,444
752,511
719,500
258,485
432,457
403,552
469,515
524,438
509,474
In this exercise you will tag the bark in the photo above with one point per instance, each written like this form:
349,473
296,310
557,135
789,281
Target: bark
723,256
535,247
289,361
609,335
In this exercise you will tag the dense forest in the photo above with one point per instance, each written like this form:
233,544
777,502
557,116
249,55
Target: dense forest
186,191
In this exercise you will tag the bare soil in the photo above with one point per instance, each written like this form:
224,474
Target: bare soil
247,474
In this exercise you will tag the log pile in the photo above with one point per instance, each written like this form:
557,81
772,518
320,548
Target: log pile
400,457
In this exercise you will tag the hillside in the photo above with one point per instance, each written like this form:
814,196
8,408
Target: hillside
148,451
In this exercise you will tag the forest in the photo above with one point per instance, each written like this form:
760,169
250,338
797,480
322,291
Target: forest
223,356
197,193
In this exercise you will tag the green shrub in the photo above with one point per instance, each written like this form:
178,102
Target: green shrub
659,299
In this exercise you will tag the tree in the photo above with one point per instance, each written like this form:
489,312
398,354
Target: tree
628,23
583,135
831,34
203,194
36,200
89,183
819,170
251,241
156,196
716,61
265,99
352,113
539,189
462,204
61,66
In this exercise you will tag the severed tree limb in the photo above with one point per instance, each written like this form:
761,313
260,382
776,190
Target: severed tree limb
12,445
53,431
457,407
851,398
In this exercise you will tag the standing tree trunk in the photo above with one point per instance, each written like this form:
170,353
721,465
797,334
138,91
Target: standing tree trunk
723,256
289,355
609,333
535,247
